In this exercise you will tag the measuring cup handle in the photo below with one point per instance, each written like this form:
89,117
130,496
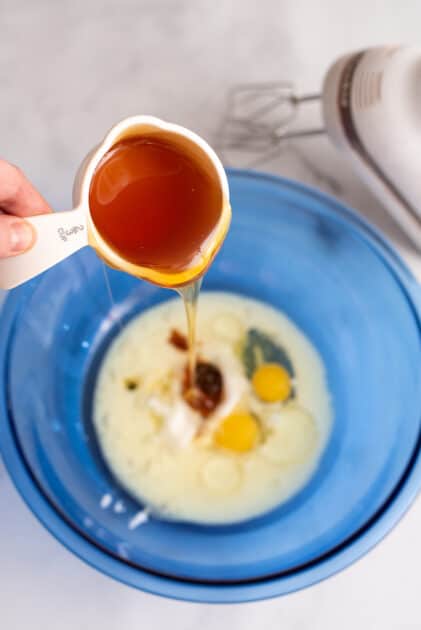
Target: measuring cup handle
58,235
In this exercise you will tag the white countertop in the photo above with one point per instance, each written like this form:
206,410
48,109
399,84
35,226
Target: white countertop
68,71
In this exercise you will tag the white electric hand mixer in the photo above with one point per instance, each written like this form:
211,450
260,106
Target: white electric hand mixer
371,105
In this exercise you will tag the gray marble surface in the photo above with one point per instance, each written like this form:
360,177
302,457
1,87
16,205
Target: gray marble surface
68,71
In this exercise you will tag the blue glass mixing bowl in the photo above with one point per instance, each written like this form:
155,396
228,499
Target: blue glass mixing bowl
305,254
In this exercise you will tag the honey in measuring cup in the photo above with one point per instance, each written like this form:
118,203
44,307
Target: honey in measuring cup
156,201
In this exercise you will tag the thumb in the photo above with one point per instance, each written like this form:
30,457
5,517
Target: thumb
16,235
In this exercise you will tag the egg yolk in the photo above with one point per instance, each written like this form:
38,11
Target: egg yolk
237,432
272,383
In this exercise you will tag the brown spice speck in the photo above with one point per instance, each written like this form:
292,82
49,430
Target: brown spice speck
178,340
131,383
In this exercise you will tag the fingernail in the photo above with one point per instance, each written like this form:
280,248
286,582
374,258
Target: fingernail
21,236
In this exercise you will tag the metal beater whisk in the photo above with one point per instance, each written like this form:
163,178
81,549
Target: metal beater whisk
258,118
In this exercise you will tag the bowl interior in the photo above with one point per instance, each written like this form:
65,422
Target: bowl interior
294,251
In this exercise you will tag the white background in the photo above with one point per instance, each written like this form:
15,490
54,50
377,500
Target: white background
68,71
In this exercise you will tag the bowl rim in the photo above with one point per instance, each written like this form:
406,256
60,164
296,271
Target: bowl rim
371,534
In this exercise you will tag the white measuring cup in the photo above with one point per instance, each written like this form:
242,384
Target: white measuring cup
61,234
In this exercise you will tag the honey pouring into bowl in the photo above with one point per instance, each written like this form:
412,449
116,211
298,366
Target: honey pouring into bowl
152,200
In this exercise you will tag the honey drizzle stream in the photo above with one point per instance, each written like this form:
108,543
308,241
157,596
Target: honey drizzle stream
189,295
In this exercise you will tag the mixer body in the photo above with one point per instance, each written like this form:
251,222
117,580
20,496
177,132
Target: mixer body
371,106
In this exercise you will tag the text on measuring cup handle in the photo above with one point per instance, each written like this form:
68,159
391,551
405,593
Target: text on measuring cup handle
64,233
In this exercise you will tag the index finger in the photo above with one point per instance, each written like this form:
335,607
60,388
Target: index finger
17,195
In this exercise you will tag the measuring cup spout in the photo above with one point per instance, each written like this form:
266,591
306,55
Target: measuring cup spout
58,235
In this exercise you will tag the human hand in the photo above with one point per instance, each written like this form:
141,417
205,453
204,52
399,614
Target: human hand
18,198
